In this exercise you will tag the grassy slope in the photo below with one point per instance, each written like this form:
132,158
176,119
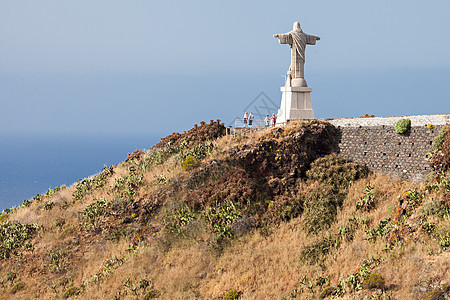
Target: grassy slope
240,214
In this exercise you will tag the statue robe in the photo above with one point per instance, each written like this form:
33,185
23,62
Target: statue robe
297,40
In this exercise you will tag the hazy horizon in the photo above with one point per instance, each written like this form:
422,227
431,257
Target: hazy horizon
110,67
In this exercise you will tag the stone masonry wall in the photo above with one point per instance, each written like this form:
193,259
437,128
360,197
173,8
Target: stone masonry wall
374,143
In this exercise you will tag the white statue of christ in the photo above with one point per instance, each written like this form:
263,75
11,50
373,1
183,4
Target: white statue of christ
297,40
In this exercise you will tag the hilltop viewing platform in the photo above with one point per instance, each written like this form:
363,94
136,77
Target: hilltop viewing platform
373,142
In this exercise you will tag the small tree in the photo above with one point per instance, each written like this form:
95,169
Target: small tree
402,126
190,163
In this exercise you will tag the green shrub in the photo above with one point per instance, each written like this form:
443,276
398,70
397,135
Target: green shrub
66,232
314,253
374,281
38,198
50,192
284,208
86,185
429,227
440,159
231,295
55,260
383,229
435,295
152,294
414,198
367,201
126,186
27,203
18,287
72,291
3,217
320,208
402,126
434,207
439,140
60,222
176,219
96,210
11,276
221,216
326,292
49,205
336,171
13,237
201,151
444,239
190,163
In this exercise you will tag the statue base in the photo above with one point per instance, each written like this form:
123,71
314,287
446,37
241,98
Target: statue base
295,104
297,82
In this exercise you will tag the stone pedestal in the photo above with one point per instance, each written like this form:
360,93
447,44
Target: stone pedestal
295,104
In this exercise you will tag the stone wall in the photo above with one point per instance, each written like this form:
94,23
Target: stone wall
374,143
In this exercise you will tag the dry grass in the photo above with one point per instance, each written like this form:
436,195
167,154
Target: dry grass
387,190
225,142
409,268
262,267
262,264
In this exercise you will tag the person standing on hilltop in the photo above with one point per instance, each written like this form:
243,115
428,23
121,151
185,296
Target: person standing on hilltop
274,120
250,119
245,119
267,120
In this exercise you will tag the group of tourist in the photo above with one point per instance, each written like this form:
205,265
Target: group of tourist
250,117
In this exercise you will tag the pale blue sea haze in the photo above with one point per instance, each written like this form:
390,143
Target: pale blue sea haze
30,165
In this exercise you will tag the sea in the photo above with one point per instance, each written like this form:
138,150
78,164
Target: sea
32,164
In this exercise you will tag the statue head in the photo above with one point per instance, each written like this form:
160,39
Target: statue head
297,27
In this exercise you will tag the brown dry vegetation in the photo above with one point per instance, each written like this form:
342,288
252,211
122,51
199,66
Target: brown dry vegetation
269,215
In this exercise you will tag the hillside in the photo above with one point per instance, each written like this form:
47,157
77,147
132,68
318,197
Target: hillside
273,214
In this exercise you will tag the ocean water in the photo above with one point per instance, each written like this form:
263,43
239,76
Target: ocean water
31,164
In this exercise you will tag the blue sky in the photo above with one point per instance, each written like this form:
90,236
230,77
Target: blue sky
114,66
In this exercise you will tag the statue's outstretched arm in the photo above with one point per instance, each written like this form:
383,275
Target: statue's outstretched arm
311,39
284,38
